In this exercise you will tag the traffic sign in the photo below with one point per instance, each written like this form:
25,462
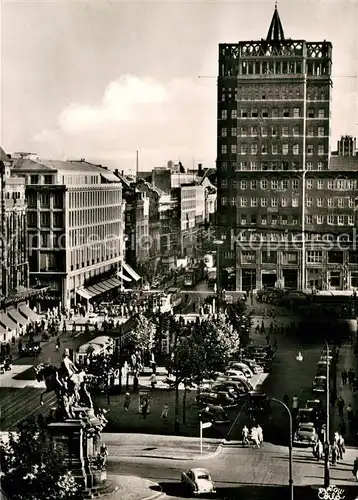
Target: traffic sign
206,425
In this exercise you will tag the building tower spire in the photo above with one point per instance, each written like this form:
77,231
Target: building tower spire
275,32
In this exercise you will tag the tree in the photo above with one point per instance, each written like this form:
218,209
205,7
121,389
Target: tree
200,353
143,335
32,468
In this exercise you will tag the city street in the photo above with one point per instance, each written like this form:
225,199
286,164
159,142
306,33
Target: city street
239,472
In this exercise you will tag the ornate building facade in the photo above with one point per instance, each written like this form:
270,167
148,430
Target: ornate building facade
277,196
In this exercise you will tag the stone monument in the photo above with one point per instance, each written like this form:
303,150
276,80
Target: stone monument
76,428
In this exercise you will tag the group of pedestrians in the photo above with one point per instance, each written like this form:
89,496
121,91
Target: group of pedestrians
254,437
348,377
335,451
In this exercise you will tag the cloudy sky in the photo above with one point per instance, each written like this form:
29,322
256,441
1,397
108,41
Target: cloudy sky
101,79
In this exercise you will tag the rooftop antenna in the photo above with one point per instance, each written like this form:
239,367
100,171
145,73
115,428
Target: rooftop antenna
136,165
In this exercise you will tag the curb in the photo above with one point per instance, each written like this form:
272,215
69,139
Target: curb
159,494
204,456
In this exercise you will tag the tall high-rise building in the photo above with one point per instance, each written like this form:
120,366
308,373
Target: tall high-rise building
273,125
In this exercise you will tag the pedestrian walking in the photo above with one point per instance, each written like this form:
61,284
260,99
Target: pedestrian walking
127,401
341,447
260,434
334,453
350,376
255,437
344,376
153,380
349,413
165,411
341,405
318,450
245,435
355,469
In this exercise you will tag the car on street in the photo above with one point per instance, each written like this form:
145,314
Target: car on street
31,349
319,384
305,434
234,377
214,414
236,392
92,318
254,367
306,415
216,398
325,358
235,387
258,402
237,365
198,482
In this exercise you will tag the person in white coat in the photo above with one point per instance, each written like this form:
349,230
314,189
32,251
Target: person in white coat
255,437
260,434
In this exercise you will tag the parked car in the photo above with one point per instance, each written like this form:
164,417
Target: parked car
236,365
214,414
305,434
306,415
198,482
31,349
236,392
254,367
319,384
232,376
237,387
216,398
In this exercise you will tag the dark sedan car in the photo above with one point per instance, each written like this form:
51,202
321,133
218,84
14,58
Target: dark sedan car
216,398
31,349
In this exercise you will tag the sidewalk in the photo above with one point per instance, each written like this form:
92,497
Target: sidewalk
346,360
132,488
159,446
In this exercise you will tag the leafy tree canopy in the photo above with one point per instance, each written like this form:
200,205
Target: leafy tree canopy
32,469
143,335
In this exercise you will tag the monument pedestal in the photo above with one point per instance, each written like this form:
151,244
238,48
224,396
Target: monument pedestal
79,439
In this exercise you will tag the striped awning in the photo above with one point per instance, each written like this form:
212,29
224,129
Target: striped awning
99,288
28,312
17,316
7,322
131,271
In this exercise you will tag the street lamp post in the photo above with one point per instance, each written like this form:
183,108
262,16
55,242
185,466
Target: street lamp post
303,260
290,478
218,275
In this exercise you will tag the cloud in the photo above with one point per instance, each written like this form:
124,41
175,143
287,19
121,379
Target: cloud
163,120
123,101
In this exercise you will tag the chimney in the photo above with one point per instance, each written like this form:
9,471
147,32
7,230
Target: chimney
116,172
200,168
122,173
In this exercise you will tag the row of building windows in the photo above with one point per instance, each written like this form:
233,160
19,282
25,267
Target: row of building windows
90,216
259,131
88,255
91,236
94,197
312,257
272,165
332,184
234,114
45,200
275,149
294,220
45,219
188,193
284,202
229,94
188,204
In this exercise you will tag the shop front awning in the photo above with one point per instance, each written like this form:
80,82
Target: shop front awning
17,316
7,322
99,288
84,293
123,277
131,271
25,310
